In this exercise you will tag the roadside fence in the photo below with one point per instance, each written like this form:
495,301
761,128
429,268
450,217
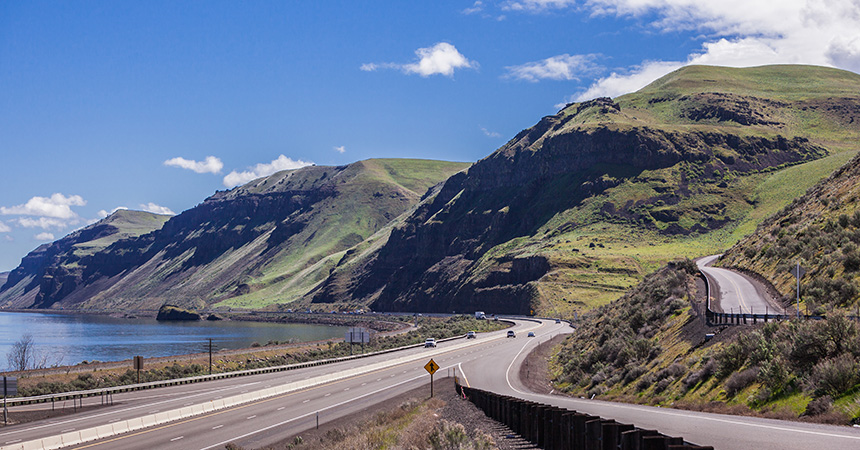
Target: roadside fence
553,428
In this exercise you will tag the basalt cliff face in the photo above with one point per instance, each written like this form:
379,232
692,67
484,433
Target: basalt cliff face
668,162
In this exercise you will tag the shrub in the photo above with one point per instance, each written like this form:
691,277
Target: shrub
819,406
834,376
739,381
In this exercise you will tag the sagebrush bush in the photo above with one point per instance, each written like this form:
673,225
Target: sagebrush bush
739,381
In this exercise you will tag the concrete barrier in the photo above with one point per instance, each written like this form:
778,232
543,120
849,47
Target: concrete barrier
104,431
71,438
33,445
120,427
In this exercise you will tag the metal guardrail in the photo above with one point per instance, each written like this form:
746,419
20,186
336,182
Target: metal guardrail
108,391
553,428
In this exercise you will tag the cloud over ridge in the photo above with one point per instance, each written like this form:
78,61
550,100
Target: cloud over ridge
236,178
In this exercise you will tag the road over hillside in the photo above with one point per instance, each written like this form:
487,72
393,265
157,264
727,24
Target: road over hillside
735,292
490,362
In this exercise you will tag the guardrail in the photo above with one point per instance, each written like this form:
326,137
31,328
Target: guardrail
107,392
553,428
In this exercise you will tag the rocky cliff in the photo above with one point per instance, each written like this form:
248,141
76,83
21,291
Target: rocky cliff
666,163
269,241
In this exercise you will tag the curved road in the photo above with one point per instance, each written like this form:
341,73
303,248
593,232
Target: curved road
490,362
736,292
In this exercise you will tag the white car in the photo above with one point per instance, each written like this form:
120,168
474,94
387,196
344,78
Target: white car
471,335
430,342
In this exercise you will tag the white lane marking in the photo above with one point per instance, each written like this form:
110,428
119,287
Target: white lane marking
12,442
251,417
221,444
346,389
306,401
217,427
327,394
67,430
364,384
132,408
669,413
176,438
282,408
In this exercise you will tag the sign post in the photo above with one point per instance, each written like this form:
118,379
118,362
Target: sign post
431,368
357,334
10,389
138,366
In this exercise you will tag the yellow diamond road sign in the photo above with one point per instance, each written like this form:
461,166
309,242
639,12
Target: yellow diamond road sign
431,367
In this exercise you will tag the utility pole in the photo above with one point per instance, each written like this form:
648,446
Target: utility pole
798,272
210,356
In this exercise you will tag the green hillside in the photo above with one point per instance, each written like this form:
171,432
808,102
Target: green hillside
268,242
816,103
821,231
607,191
62,258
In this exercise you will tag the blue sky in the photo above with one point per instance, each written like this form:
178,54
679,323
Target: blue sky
155,105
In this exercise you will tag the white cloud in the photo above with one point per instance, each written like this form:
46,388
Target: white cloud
340,149
157,209
440,59
4,228
209,165
56,206
491,134
9,238
104,213
536,5
561,67
621,83
45,223
44,237
235,178
477,7
736,33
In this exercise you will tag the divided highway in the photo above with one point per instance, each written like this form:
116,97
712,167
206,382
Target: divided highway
490,362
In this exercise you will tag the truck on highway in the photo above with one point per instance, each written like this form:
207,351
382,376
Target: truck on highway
480,315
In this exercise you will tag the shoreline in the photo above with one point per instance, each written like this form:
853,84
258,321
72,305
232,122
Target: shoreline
375,322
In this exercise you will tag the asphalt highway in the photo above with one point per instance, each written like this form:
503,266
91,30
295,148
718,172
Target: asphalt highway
736,292
490,362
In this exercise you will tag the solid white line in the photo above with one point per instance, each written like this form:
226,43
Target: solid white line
217,427
177,438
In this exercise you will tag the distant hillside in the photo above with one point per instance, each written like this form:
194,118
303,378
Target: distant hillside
3,277
821,231
572,212
269,241
62,259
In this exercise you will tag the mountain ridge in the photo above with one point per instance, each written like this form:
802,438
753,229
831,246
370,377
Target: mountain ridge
482,241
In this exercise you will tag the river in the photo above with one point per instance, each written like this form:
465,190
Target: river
67,339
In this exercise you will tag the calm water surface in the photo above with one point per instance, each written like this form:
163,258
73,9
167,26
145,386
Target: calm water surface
70,339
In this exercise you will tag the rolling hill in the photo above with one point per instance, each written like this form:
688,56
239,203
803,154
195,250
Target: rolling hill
63,258
269,241
575,210
821,231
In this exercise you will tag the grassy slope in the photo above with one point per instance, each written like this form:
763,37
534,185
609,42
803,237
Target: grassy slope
821,230
648,347
296,270
129,224
589,275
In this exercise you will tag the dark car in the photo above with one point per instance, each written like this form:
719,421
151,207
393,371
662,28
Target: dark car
512,334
